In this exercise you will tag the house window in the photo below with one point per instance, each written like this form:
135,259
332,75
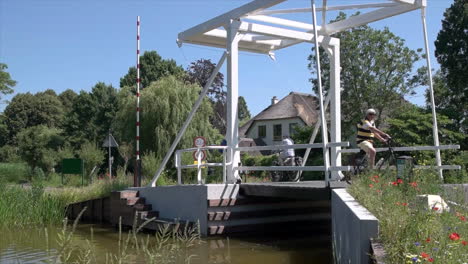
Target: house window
277,132
261,131
292,128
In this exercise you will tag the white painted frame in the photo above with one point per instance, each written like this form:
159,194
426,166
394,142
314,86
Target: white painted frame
251,28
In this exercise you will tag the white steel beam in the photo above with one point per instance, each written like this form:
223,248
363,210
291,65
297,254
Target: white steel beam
335,108
232,129
326,158
281,33
225,18
369,17
187,121
329,8
257,39
282,22
435,131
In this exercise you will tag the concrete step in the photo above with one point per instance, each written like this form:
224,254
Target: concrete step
232,215
143,207
304,226
124,194
147,214
135,200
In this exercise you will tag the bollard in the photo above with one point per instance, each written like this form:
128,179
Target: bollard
404,167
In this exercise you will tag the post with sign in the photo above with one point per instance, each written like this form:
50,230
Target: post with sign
199,155
73,166
110,142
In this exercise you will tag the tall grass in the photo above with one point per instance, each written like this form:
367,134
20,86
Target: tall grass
14,172
410,232
168,245
42,206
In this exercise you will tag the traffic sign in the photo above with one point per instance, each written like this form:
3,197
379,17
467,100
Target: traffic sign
199,142
195,155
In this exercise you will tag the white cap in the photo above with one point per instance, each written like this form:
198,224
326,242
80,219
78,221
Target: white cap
370,111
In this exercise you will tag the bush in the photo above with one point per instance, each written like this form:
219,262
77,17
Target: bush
14,172
149,166
92,156
9,153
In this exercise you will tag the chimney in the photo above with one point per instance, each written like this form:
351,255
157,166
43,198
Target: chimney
274,100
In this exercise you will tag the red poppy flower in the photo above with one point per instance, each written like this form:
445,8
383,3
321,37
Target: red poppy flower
462,218
404,204
435,208
428,239
454,236
395,183
413,184
464,242
430,260
424,255
375,180
399,181
375,176
371,185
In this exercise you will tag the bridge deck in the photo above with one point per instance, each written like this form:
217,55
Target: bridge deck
310,190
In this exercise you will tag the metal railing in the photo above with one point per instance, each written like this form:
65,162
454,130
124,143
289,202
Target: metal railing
199,165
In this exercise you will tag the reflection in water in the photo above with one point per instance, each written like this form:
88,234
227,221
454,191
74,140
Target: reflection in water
40,246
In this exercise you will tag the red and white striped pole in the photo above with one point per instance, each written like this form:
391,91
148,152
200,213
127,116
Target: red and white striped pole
137,177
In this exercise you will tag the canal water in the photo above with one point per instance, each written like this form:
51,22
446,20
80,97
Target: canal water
43,245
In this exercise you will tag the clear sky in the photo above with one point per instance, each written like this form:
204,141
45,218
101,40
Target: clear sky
65,44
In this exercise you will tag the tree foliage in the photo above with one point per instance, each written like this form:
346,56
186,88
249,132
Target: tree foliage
243,111
412,126
38,146
165,106
200,71
452,54
28,110
92,114
6,83
152,68
376,72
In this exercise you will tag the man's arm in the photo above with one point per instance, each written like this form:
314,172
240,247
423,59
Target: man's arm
379,133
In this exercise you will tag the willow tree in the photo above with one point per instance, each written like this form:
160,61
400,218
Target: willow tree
165,106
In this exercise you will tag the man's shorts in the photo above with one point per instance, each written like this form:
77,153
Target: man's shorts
366,146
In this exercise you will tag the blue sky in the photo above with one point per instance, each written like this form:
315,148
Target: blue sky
65,44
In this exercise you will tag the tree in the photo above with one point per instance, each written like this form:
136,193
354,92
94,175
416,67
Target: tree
412,126
376,72
451,52
165,106
28,110
200,71
445,105
92,114
6,83
67,97
38,146
153,67
243,111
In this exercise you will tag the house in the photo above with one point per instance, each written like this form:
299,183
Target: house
280,118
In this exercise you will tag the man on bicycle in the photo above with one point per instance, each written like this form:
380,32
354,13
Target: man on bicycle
366,132
287,155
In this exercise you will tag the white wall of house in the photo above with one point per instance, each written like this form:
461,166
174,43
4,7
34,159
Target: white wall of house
269,125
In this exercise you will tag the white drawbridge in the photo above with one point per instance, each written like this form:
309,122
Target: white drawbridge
259,28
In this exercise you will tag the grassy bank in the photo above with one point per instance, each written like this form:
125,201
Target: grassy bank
44,206
411,233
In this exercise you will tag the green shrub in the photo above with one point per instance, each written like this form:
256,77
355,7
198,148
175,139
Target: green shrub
9,153
14,172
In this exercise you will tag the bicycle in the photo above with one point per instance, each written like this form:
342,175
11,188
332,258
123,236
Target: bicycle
286,176
360,162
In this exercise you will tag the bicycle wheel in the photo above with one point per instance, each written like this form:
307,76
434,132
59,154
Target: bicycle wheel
359,164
